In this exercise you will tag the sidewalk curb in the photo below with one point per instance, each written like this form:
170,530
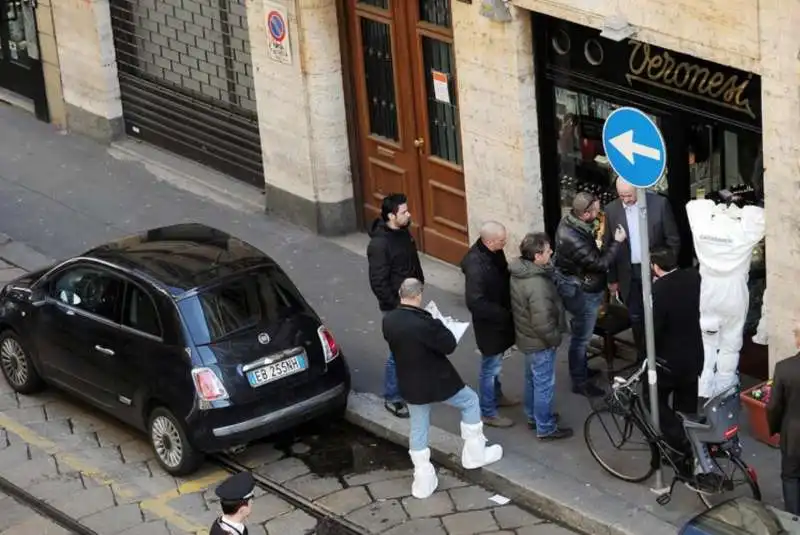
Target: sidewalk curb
557,495
20,255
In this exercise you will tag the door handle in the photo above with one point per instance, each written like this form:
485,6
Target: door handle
104,350
70,312
419,142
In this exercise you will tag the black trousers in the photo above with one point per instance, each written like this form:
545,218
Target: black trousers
635,305
791,495
683,396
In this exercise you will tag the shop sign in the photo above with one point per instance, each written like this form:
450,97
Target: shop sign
651,66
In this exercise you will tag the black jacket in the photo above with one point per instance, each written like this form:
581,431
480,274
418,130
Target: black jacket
420,345
486,291
662,230
393,257
783,413
577,255
676,324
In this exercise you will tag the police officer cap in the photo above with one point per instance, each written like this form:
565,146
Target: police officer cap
238,487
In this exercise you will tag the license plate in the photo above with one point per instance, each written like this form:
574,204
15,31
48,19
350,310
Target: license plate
277,370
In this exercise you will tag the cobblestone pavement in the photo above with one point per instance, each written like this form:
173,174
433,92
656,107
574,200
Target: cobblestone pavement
17,519
104,474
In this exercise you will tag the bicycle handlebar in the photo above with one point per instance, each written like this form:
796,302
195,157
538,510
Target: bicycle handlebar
620,382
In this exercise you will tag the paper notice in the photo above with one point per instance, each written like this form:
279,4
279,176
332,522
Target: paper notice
458,328
441,91
499,500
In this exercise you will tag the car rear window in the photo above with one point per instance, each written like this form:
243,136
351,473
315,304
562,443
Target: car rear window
257,297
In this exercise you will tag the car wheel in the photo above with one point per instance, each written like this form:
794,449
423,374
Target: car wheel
17,365
173,451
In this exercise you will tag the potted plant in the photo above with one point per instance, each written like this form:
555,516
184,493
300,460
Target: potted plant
755,400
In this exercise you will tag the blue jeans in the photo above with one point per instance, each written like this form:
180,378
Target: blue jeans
391,392
583,307
489,384
540,384
465,400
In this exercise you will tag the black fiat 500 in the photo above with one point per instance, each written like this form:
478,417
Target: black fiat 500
192,335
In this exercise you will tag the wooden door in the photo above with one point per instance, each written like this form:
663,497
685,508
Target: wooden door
405,84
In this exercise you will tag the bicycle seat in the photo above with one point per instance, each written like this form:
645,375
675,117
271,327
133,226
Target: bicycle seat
694,421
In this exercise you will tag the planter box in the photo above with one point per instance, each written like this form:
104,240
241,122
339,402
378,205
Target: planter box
757,414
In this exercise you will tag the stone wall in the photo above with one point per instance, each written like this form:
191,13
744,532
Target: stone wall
497,107
48,50
780,80
302,118
88,67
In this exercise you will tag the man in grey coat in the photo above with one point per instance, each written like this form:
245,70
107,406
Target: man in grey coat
625,273
539,322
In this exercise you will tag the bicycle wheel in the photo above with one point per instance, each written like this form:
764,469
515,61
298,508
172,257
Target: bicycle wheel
738,480
619,445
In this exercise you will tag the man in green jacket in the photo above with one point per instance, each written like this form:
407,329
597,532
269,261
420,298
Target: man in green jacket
539,322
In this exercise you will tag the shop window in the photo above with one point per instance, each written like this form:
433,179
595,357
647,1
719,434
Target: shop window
721,159
379,73
583,162
443,126
436,12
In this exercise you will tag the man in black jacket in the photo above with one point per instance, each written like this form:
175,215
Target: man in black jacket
392,256
678,340
425,375
784,418
580,277
486,291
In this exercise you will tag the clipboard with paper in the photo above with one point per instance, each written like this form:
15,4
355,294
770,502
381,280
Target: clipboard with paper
458,328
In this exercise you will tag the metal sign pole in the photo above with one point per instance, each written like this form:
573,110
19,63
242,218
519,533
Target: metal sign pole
647,300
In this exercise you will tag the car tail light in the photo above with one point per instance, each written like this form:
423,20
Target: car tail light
209,387
328,342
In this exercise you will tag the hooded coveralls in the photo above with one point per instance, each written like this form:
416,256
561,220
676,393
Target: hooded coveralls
724,238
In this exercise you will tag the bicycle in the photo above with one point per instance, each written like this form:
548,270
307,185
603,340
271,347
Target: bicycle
714,442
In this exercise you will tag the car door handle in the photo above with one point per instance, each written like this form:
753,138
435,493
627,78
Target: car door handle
104,350
70,312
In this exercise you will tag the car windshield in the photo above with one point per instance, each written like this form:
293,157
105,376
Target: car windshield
257,297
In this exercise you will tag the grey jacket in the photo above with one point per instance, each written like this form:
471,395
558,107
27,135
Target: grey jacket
539,319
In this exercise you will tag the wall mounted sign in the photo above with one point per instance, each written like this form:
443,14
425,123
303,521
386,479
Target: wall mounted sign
634,68
441,90
278,46
659,68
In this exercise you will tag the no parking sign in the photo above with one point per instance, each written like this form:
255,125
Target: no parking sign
277,33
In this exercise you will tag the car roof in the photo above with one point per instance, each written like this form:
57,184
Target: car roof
180,258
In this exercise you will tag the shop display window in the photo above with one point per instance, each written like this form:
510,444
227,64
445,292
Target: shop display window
583,165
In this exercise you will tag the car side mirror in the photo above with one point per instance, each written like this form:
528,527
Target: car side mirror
38,296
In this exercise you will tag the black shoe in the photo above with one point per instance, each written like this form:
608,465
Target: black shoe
559,433
398,408
532,423
589,390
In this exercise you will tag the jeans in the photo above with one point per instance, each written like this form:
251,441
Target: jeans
791,495
540,382
489,384
391,392
583,307
465,400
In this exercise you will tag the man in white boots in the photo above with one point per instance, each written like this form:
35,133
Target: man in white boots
420,345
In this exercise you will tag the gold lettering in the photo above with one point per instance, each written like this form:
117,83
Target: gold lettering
661,69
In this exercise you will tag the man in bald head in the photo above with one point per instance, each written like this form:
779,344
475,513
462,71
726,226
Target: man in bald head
487,295
624,274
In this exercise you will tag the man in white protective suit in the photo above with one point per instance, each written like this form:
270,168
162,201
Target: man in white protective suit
724,237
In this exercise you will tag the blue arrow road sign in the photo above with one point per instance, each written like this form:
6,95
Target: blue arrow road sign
634,146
